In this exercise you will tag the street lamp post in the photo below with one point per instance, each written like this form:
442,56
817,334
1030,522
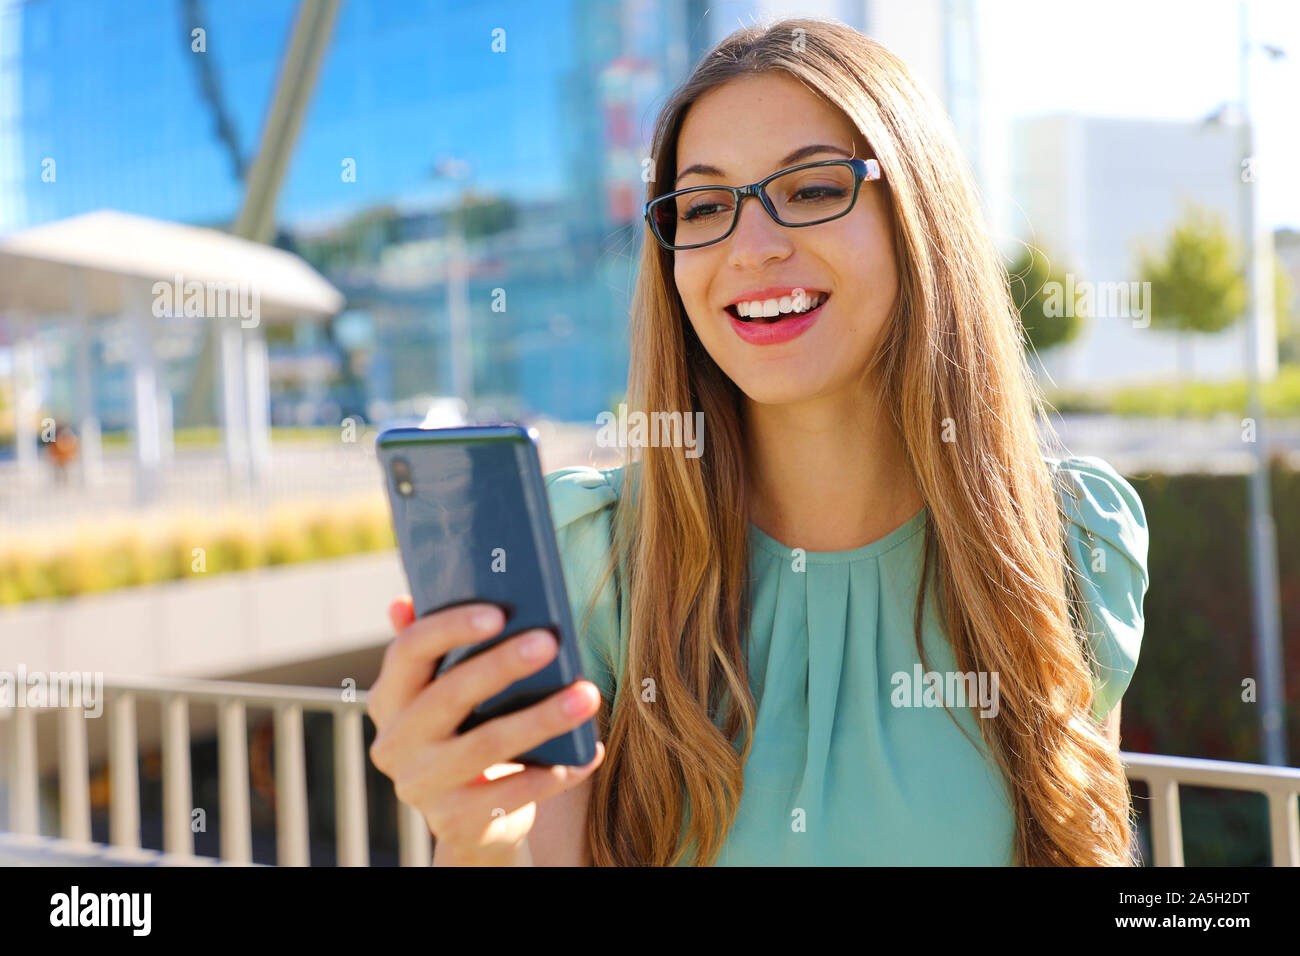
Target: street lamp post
1263,534
462,353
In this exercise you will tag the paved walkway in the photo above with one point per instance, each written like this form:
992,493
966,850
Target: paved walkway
196,481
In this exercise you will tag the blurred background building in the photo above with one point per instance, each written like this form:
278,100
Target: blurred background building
532,152
1095,189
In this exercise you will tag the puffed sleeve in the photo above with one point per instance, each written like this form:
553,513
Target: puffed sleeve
582,500
1107,540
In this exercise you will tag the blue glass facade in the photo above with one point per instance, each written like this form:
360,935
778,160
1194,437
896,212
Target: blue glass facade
545,108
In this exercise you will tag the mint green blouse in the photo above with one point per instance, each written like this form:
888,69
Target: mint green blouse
849,766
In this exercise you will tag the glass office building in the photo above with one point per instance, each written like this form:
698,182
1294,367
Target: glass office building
517,129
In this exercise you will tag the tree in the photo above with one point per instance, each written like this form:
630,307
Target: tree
479,216
1288,328
1032,280
1196,282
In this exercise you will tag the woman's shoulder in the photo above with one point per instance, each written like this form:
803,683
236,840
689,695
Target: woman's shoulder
1108,540
577,491
1102,504
582,499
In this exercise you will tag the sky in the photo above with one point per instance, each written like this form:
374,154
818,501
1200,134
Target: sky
1152,59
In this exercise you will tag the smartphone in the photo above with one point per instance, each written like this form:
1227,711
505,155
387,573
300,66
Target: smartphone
473,524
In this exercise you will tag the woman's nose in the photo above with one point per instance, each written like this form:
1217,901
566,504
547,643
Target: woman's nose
757,238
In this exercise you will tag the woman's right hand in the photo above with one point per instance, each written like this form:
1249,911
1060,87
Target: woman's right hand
479,805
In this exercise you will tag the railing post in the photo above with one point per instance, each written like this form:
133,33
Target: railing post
292,848
232,780
74,777
1166,820
178,796
350,788
1284,828
123,763
24,795
415,843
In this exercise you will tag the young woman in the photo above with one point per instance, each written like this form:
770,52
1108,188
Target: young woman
873,622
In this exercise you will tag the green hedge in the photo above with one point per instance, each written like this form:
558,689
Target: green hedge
1186,695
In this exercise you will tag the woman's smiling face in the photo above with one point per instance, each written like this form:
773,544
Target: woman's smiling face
746,129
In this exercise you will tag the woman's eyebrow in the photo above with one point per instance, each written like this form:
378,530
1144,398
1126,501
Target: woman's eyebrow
801,153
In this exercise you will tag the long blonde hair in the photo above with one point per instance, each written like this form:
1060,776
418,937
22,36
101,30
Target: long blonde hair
951,357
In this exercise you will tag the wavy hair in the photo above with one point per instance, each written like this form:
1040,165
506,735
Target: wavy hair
995,544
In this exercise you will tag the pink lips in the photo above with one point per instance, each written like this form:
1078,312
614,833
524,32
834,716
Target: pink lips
772,333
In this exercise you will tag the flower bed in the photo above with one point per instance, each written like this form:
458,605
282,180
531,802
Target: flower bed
121,552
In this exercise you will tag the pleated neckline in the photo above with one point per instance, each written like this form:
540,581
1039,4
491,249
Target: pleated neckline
904,532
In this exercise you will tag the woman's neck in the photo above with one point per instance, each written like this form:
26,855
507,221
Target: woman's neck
829,474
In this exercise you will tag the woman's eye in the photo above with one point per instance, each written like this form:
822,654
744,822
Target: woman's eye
816,193
703,209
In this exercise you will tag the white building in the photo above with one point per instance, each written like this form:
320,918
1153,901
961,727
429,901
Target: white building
1089,192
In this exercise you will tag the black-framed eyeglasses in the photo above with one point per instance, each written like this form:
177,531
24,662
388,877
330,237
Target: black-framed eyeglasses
802,195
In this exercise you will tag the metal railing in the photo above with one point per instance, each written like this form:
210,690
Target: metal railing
1163,774
287,704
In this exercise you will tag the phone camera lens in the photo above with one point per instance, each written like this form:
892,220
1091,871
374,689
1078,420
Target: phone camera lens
401,471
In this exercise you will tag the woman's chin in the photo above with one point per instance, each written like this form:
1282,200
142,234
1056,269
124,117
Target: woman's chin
788,391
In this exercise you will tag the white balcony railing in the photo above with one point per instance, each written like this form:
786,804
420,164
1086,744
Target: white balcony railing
1163,774
232,700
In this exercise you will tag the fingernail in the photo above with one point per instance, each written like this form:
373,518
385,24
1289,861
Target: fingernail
537,646
486,620
577,701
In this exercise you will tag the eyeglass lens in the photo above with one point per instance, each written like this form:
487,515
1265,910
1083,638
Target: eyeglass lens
801,197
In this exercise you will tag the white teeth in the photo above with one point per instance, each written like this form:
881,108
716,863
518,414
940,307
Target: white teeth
768,308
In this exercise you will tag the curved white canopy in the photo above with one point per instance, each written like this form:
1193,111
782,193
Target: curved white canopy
41,267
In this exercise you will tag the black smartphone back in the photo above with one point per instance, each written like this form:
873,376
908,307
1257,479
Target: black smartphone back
474,524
